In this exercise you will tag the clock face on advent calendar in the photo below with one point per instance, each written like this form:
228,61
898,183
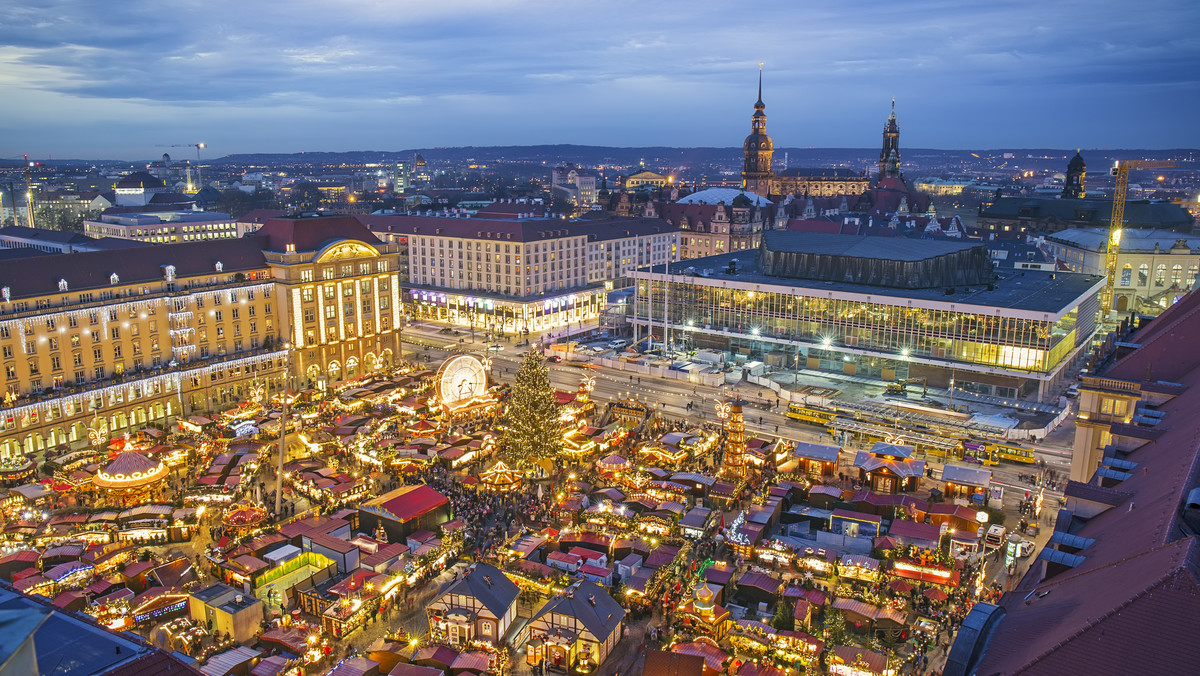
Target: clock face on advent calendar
461,379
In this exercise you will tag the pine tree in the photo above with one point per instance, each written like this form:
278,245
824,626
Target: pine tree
534,431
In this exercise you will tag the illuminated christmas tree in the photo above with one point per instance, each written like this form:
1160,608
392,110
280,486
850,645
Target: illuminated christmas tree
534,430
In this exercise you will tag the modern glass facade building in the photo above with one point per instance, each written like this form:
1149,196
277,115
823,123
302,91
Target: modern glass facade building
1003,332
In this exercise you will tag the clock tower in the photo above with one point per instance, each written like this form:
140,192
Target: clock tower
758,148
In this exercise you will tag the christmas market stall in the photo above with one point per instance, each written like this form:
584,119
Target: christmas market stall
501,478
130,478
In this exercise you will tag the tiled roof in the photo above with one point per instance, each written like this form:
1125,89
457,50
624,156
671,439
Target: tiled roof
509,230
92,269
1139,579
1151,601
487,584
313,233
44,235
591,605
1093,493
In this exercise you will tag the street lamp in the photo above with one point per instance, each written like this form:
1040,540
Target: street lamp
287,366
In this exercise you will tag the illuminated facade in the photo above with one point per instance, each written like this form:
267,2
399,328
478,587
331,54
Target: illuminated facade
339,294
820,182
118,339
518,275
1010,336
101,343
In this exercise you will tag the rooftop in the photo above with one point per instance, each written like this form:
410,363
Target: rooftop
1138,213
1132,569
591,605
519,230
406,502
486,583
313,233
32,277
726,195
1031,291
1133,240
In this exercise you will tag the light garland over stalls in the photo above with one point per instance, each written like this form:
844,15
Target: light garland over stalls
171,382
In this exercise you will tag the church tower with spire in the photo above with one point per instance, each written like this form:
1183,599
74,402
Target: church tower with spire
1076,171
758,148
889,157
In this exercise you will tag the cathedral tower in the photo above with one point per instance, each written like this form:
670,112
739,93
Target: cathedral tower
889,157
1076,171
756,169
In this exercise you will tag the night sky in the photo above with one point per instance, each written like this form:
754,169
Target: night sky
88,79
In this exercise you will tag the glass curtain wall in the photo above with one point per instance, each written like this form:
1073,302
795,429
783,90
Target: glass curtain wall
766,318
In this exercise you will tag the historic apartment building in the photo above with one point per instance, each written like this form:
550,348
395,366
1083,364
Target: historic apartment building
112,340
1154,267
720,220
525,274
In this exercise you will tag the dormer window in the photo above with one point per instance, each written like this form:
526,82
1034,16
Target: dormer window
114,279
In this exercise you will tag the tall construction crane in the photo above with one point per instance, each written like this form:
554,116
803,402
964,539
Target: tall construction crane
28,193
1117,223
198,146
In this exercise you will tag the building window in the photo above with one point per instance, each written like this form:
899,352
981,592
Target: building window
1126,275
1143,274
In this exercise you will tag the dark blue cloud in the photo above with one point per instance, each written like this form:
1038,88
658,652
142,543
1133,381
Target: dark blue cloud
88,78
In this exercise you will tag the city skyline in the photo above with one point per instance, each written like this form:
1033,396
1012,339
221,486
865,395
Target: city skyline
120,81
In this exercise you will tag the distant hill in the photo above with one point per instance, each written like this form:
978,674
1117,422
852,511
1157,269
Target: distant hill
653,156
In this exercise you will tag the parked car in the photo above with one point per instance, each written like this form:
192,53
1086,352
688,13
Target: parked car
495,348
1019,546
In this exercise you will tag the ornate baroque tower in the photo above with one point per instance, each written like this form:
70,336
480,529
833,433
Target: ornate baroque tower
1076,171
756,170
889,157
